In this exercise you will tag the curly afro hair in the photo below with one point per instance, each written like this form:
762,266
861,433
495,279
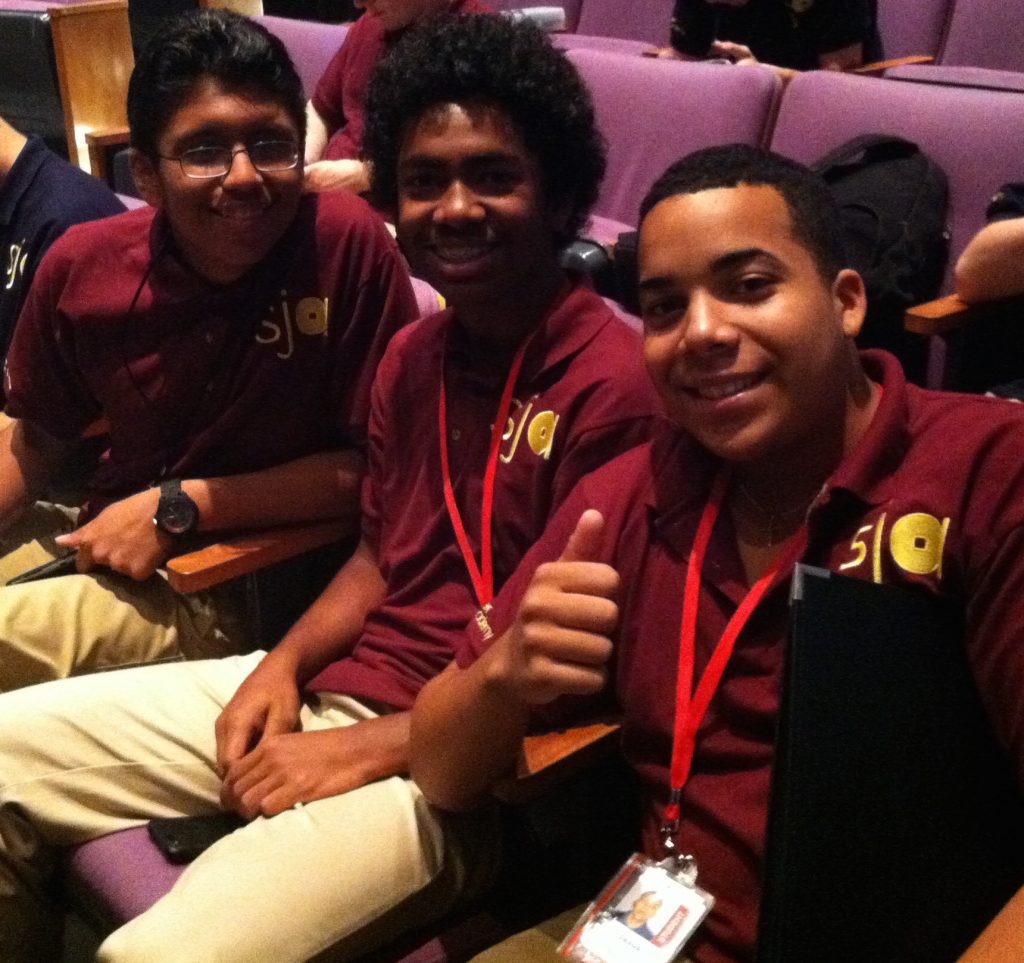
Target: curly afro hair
497,62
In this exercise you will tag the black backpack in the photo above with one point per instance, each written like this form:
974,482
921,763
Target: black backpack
893,201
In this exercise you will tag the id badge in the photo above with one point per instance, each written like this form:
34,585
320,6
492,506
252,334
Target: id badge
644,915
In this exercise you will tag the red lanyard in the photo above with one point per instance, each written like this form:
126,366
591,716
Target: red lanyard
481,575
692,706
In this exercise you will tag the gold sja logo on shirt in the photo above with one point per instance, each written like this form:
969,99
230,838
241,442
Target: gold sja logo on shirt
539,428
309,316
915,542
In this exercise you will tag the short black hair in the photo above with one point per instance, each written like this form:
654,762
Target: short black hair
813,210
490,61
219,45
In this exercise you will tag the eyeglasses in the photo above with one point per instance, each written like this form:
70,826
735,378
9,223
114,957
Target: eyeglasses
267,156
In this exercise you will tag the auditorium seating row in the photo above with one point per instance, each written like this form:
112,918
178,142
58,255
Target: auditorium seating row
978,33
651,112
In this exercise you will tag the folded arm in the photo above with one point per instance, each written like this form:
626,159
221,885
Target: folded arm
123,537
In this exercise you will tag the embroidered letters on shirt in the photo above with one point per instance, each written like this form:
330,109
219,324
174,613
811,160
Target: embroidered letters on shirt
15,267
538,426
915,542
310,317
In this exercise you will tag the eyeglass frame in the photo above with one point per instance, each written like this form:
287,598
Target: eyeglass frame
180,158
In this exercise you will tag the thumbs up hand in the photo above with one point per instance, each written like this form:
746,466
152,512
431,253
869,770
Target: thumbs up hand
560,642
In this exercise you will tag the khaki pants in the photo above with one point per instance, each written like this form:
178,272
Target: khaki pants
75,624
87,756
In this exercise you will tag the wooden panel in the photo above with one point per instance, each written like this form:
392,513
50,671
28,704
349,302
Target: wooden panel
93,47
251,8
248,553
100,143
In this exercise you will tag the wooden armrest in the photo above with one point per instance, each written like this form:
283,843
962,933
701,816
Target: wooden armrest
551,757
948,314
879,66
233,557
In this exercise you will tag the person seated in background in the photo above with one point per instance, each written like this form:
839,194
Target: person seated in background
336,110
787,445
41,196
992,265
791,35
484,417
227,336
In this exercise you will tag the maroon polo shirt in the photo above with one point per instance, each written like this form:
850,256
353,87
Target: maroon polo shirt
582,398
341,92
937,483
196,379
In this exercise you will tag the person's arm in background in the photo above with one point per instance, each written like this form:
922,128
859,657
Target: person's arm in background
317,134
992,264
330,175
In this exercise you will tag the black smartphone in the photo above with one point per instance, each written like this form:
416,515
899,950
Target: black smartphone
182,838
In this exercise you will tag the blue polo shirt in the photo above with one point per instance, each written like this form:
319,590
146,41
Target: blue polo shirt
40,199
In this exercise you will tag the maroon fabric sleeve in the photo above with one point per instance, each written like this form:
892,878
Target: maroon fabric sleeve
327,98
43,378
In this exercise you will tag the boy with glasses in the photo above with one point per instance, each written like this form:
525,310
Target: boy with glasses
226,336
483,418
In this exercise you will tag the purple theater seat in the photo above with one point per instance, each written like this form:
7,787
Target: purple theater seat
985,33
910,27
974,135
620,45
33,6
652,112
311,45
979,78
117,877
646,20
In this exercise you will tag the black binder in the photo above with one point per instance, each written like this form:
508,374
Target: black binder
896,828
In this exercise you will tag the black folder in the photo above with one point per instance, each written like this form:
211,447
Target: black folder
896,827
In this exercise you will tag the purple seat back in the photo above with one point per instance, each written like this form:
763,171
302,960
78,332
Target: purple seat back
311,45
974,135
909,27
646,20
978,77
652,112
985,33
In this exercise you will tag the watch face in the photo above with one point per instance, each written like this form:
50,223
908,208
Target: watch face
177,515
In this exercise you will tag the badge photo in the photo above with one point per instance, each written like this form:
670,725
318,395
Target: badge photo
645,914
